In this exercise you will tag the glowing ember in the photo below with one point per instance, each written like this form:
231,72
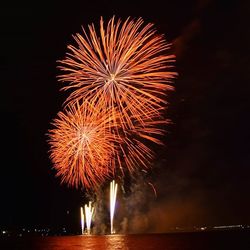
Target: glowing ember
113,192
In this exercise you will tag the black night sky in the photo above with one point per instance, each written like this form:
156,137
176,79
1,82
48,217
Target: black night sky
201,176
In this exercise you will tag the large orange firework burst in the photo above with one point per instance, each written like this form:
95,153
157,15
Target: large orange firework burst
123,66
82,145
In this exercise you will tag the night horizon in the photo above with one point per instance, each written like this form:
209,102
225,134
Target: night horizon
200,177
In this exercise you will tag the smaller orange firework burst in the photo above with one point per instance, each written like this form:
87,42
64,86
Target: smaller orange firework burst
82,145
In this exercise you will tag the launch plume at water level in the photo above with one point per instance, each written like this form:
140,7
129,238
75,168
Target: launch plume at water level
82,219
89,210
113,192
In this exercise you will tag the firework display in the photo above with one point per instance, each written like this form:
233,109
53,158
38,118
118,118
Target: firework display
117,76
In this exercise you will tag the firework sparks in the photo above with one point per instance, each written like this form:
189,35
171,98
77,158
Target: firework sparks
124,66
89,210
113,193
135,151
82,145
82,219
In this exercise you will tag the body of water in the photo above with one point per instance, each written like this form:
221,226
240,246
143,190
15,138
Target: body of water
237,240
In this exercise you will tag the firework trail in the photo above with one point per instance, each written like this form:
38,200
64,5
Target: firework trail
122,66
82,145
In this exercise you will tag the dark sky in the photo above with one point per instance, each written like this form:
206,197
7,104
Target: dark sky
201,176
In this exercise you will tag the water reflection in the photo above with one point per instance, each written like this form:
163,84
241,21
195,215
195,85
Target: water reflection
107,242
180,241
89,242
115,242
